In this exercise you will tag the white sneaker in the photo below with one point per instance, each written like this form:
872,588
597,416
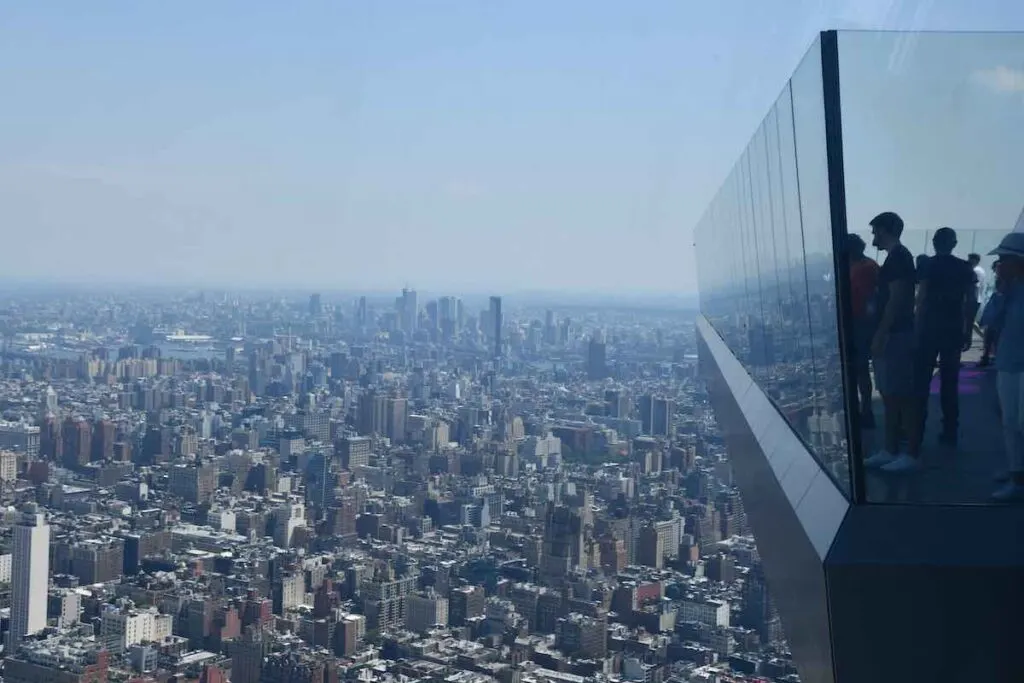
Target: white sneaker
880,459
1009,491
904,463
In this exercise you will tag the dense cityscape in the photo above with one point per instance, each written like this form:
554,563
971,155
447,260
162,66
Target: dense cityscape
224,486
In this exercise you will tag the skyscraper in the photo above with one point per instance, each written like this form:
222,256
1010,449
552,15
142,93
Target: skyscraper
495,319
408,311
656,415
396,412
550,329
361,311
597,368
30,573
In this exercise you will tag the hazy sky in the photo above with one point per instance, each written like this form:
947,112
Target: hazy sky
475,145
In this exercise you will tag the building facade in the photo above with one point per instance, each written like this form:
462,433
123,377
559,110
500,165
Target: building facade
30,573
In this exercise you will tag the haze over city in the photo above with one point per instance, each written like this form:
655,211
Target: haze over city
450,145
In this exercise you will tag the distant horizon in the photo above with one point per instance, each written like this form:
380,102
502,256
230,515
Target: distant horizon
303,291
531,145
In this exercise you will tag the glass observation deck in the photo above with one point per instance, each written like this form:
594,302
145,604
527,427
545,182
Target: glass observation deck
927,125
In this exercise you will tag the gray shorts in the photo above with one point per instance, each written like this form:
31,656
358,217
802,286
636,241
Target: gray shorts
895,371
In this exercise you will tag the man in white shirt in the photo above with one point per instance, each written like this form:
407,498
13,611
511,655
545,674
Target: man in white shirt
981,286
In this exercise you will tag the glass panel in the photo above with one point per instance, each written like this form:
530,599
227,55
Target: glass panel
932,130
826,409
794,377
767,279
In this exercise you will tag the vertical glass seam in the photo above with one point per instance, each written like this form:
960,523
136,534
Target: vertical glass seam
837,211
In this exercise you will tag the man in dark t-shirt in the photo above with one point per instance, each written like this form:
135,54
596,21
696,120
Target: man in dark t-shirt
945,312
892,349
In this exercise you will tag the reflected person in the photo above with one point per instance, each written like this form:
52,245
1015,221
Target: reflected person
945,323
981,277
920,263
990,335
892,347
1008,322
863,286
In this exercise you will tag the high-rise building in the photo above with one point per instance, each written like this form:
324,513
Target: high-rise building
563,542
424,611
597,368
361,314
315,307
550,328
465,602
20,437
617,403
408,311
8,467
496,321
384,598
372,412
650,547
194,483
104,434
248,654
396,413
656,415
353,451
448,316
77,442
30,573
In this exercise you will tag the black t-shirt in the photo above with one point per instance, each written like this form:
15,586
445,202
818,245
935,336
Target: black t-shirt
899,266
950,280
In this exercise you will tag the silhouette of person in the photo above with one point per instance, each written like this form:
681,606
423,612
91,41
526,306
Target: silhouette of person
990,333
1008,321
945,323
892,347
863,286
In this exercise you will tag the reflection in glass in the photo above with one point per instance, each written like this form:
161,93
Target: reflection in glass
932,130
771,291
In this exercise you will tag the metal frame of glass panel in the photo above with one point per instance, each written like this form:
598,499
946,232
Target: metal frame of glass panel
837,210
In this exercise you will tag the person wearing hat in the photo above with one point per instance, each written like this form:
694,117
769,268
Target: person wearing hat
1008,321
990,335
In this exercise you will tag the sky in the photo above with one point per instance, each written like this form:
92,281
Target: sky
469,146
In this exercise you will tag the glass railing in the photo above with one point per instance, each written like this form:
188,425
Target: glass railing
931,128
767,279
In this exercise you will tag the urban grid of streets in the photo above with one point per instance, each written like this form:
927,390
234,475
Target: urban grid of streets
259,488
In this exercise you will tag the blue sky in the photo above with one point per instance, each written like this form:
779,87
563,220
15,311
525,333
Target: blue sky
463,146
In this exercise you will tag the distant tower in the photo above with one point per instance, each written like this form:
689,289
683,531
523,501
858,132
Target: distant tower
315,307
408,311
495,319
597,368
30,573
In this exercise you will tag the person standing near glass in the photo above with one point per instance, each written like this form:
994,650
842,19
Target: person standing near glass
893,345
946,296
990,334
1008,324
981,278
863,286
